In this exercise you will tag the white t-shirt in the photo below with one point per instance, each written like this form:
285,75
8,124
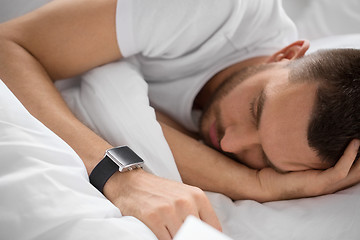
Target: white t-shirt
179,45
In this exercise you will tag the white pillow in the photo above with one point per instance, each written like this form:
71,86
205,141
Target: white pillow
113,101
338,41
322,18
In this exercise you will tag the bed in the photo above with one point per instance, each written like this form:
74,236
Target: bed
45,192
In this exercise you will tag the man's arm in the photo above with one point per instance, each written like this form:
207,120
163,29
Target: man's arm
60,40
210,170
63,39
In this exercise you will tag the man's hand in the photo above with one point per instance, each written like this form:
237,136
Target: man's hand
159,203
345,173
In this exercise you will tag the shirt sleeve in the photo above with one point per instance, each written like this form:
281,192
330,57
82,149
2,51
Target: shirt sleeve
168,28
261,26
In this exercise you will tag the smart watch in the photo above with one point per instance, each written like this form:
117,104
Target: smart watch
116,159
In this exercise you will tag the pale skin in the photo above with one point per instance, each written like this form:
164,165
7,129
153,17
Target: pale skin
66,38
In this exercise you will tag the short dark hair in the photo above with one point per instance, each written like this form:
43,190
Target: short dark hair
335,118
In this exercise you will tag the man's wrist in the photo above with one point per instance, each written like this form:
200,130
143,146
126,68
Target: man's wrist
119,183
274,186
102,172
117,159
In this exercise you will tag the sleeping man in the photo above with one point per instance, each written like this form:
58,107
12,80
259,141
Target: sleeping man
289,121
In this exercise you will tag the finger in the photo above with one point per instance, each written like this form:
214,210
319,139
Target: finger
173,224
345,163
161,233
354,173
207,213
209,216
348,158
156,224
356,165
184,208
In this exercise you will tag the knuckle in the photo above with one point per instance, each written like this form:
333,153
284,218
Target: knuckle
150,215
154,213
199,194
183,202
166,206
194,189
189,201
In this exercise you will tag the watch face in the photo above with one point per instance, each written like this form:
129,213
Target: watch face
124,156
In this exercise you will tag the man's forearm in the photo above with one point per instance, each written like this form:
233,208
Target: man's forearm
210,170
29,81
56,41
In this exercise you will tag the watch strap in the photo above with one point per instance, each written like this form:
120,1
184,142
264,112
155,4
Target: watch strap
102,172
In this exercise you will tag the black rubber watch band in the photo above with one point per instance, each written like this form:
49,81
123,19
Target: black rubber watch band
102,172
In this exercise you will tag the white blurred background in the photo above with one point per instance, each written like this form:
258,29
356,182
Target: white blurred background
314,18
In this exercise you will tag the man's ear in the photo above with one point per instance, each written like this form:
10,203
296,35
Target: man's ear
295,50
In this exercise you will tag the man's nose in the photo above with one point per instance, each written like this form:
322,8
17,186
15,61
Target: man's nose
239,139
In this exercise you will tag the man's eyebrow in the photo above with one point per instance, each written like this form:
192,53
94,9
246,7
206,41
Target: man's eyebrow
260,107
270,164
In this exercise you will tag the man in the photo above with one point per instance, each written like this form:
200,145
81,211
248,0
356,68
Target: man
317,112
66,38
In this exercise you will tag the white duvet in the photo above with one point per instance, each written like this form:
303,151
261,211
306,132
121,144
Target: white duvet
44,188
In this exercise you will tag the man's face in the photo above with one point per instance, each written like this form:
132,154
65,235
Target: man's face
261,119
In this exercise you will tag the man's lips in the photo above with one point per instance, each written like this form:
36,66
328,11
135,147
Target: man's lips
213,136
